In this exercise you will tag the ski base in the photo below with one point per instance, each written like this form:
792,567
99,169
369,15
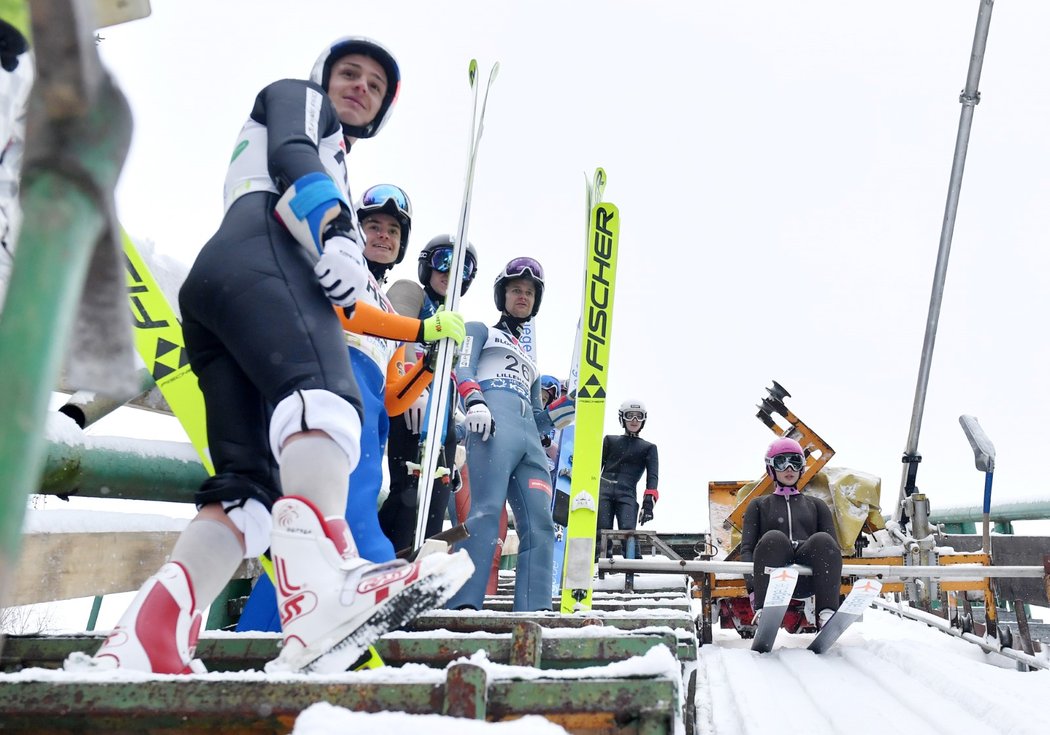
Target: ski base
858,600
778,596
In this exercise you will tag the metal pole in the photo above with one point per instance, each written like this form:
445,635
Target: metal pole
969,99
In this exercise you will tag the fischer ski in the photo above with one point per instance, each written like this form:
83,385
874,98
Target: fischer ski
593,377
858,600
778,596
160,344
439,399
565,437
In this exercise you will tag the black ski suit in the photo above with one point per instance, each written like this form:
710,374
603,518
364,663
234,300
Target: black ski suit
624,458
257,325
780,530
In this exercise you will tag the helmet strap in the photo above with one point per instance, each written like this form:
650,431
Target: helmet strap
779,489
378,270
511,324
433,295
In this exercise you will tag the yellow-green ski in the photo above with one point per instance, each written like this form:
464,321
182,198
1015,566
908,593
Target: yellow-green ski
599,288
158,338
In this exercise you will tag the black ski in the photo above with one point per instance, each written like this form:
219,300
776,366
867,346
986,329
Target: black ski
851,610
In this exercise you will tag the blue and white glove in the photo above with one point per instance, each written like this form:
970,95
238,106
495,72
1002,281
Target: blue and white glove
479,420
341,271
316,213
415,413
562,411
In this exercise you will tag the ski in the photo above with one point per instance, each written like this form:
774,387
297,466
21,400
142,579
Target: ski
858,600
160,344
439,400
778,596
565,437
593,377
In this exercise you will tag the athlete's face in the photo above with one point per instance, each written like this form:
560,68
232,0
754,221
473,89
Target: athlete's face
787,477
633,425
382,238
357,87
521,295
439,282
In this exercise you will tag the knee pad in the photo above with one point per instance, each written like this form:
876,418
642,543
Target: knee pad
254,521
317,410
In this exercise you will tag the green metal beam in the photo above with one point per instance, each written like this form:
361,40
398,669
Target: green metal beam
264,705
1036,510
78,134
129,469
241,653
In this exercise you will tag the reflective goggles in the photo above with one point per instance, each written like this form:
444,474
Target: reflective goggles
782,461
523,268
379,195
633,416
441,261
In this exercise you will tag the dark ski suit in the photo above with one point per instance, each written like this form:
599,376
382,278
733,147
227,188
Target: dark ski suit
257,325
780,530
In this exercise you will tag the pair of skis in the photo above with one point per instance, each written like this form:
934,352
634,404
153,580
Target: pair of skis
778,596
592,380
566,437
431,437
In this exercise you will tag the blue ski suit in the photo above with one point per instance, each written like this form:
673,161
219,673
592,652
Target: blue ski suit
509,466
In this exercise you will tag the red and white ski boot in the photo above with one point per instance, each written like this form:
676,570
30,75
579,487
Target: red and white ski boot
158,632
333,604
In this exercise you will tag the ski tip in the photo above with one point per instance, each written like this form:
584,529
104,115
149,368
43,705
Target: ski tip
494,72
472,71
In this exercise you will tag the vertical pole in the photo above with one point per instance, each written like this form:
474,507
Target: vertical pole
969,99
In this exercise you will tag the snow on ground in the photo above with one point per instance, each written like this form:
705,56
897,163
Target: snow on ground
884,673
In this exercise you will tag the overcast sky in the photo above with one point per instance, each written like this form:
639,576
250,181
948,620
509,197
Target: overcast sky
781,169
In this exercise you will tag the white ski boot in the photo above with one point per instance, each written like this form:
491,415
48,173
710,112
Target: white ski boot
158,632
333,604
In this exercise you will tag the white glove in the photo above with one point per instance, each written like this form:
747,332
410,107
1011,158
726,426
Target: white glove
415,413
341,271
479,420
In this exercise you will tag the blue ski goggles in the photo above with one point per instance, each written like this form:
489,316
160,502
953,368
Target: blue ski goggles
377,196
441,261
783,461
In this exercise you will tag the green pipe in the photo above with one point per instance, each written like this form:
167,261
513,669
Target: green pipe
62,225
129,469
86,407
1036,510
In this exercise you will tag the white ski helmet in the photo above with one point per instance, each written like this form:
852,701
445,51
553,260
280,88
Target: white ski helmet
632,406
374,50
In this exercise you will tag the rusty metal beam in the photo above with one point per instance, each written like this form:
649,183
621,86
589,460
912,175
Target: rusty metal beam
526,647
226,704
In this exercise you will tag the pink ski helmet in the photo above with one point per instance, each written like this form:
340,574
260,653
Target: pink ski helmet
783,445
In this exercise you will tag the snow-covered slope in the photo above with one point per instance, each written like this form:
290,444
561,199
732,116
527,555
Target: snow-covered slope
885,674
